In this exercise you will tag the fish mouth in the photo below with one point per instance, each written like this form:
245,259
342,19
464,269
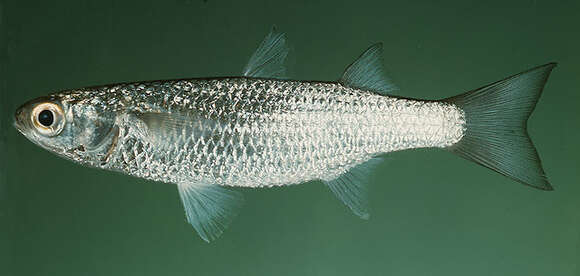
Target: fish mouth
19,128
22,124
22,127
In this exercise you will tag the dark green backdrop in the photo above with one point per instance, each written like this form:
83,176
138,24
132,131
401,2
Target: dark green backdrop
433,213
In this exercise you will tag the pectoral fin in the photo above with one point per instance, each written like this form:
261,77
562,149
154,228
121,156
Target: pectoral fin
209,208
167,129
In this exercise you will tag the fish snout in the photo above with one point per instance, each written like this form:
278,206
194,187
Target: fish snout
20,119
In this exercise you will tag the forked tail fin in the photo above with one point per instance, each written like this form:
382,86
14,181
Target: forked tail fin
496,134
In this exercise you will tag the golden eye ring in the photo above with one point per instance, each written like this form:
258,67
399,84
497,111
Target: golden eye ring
48,118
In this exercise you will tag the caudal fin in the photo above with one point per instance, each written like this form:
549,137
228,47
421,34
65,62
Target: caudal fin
496,120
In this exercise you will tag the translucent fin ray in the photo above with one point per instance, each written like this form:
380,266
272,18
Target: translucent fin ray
496,134
352,187
268,60
368,73
209,208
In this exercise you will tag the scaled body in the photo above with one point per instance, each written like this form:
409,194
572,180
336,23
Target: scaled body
260,132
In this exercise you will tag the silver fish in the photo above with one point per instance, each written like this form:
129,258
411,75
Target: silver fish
260,130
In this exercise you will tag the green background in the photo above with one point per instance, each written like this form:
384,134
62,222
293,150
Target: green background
432,213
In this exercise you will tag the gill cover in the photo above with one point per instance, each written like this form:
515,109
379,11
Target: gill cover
92,126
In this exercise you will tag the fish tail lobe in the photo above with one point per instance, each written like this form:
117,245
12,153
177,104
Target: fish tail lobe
496,133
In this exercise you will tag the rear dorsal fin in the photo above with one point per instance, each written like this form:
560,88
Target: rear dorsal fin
368,73
268,60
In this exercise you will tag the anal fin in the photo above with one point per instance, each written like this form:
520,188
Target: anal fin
209,208
352,187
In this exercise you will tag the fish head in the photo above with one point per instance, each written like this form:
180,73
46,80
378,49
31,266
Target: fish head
75,129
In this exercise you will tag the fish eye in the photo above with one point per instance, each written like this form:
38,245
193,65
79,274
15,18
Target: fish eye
48,118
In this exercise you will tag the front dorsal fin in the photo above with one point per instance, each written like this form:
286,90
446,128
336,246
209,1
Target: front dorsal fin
368,73
268,60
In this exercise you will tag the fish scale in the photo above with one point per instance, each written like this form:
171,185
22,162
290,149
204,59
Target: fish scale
288,132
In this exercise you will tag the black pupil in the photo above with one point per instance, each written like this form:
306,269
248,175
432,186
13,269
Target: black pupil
46,118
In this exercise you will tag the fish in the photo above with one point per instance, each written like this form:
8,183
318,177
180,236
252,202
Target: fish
209,136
